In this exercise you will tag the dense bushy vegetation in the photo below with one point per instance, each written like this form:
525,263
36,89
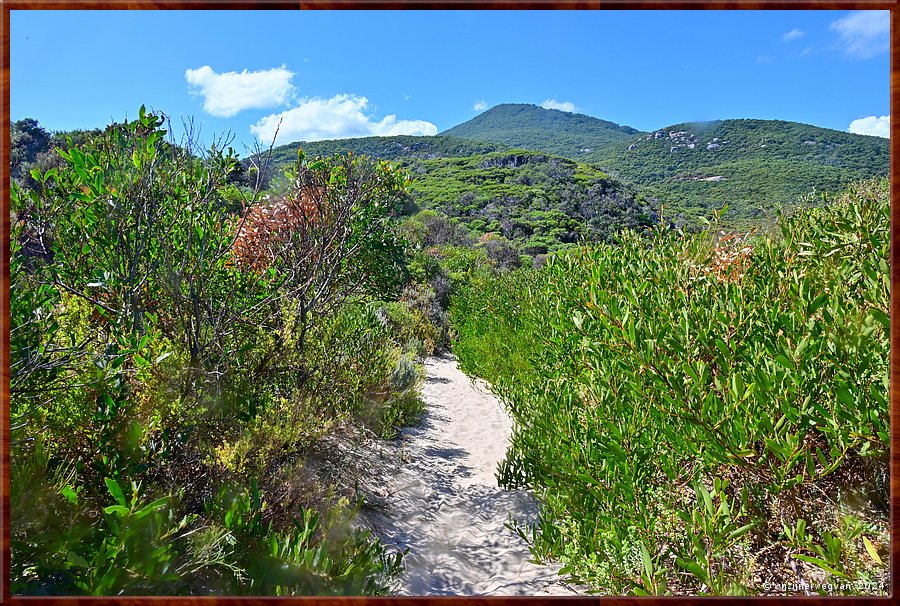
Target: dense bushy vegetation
542,203
174,363
754,166
384,148
706,413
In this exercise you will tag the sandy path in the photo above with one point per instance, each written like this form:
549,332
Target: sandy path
440,497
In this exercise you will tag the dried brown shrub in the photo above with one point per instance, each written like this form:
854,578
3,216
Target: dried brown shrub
267,228
730,257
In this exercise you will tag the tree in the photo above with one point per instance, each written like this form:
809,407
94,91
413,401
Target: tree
27,139
331,237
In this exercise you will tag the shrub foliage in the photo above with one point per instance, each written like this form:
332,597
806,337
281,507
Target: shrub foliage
168,378
701,413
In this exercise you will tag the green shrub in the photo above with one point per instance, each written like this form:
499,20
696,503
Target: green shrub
146,353
404,406
681,401
316,556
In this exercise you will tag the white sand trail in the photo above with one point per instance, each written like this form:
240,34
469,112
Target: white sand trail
440,497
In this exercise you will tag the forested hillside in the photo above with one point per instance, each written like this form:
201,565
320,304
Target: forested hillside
527,126
541,202
753,166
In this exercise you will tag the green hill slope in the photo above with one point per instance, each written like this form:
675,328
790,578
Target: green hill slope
562,133
540,201
386,148
752,165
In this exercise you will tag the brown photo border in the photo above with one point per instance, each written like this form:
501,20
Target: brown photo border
7,5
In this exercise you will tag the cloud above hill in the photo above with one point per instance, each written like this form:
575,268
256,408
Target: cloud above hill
877,126
564,106
340,117
226,94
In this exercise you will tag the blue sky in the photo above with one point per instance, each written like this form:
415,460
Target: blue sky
333,74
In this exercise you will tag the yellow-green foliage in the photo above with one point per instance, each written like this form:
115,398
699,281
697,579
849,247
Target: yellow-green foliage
284,427
682,403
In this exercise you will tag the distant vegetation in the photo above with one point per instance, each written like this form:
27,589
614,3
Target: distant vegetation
753,166
385,148
542,203
539,202
550,130
701,414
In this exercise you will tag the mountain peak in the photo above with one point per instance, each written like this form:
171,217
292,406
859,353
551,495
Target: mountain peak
522,124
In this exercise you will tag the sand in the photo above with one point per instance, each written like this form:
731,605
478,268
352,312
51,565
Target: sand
437,496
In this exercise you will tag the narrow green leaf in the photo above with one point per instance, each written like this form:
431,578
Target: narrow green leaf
784,361
821,564
689,370
736,534
120,510
707,499
816,304
77,560
881,317
115,491
648,563
873,553
737,385
150,507
723,349
694,569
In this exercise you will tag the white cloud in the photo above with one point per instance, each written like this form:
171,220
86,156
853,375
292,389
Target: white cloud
480,106
226,94
864,34
340,117
794,34
878,126
565,106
